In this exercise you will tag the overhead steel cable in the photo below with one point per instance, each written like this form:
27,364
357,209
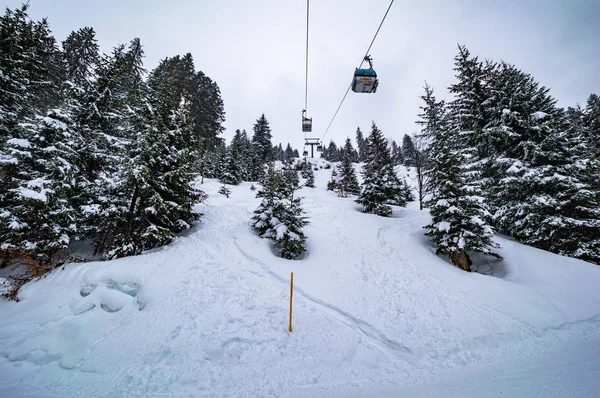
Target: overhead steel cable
359,66
306,67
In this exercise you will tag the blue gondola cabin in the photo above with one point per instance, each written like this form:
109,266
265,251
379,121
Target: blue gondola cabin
365,81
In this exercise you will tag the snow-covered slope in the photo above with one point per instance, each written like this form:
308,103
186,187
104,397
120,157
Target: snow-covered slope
376,313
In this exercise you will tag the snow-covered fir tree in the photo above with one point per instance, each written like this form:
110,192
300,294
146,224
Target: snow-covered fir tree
408,151
289,152
360,142
333,181
381,186
458,224
280,217
230,173
332,153
542,186
225,191
310,178
397,153
290,179
37,216
261,140
348,179
37,165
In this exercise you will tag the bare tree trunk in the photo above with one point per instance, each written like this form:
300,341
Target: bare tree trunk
420,167
6,254
102,245
461,259
131,211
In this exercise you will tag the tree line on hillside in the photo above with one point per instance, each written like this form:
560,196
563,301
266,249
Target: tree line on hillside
245,158
400,155
502,156
95,148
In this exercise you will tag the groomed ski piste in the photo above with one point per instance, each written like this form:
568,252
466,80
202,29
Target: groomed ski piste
376,314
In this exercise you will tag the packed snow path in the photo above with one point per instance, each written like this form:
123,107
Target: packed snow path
376,312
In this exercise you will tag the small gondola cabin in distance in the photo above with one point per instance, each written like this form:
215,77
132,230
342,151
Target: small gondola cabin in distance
306,123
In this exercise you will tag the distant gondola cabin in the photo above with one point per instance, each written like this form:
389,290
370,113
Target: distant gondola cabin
306,125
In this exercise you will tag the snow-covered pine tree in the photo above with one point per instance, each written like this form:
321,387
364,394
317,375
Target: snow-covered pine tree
543,187
310,177
591,125
240,144
397,157
288,235
110,119
37,217
470,113
261,140
333,180
256,170
348,179
381,185
279,217
230,173
224,190
289,152
279,153
433,120
333,154
290,179
360,143
155,182
458,218
245,153
408,151
36,161
304,166
206,107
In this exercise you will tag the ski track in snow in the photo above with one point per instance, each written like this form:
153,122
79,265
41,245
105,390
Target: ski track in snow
374,310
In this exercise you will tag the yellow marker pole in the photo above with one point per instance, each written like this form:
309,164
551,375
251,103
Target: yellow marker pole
291,293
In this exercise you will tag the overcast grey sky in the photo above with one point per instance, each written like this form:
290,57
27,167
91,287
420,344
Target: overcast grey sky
254,50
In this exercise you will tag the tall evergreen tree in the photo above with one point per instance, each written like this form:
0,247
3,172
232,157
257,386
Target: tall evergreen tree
542,188
333,154
458,218
397,156
360,142
36,163
381,185
348,179
408,151
591,125
280,217
261,140
37,217
231,170
310,177
289,152
256,169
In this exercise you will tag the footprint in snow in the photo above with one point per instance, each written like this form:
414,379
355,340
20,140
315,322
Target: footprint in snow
112,296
